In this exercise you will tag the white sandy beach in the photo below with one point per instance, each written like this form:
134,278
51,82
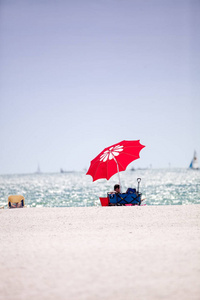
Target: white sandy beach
150,252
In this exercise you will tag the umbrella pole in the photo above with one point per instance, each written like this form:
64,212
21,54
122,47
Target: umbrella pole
118,174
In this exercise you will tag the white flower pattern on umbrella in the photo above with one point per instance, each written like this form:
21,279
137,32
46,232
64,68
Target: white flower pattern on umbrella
111,153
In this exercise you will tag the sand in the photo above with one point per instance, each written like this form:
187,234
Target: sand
150,252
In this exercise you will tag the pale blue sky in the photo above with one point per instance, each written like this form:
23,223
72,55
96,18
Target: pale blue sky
78,76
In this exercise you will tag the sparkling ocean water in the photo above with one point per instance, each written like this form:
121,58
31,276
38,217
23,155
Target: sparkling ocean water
158,186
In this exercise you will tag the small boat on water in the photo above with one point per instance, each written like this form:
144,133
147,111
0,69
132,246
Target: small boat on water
194,163
63,171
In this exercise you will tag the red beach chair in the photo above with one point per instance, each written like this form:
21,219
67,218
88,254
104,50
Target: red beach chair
104,201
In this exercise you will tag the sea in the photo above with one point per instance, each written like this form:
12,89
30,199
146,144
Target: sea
76,189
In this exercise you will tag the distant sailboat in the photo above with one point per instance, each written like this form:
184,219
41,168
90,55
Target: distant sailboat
38,170
194,163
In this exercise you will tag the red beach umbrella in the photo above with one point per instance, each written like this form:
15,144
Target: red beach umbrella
114,159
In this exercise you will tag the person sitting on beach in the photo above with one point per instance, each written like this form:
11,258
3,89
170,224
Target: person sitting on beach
16,205
117,188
